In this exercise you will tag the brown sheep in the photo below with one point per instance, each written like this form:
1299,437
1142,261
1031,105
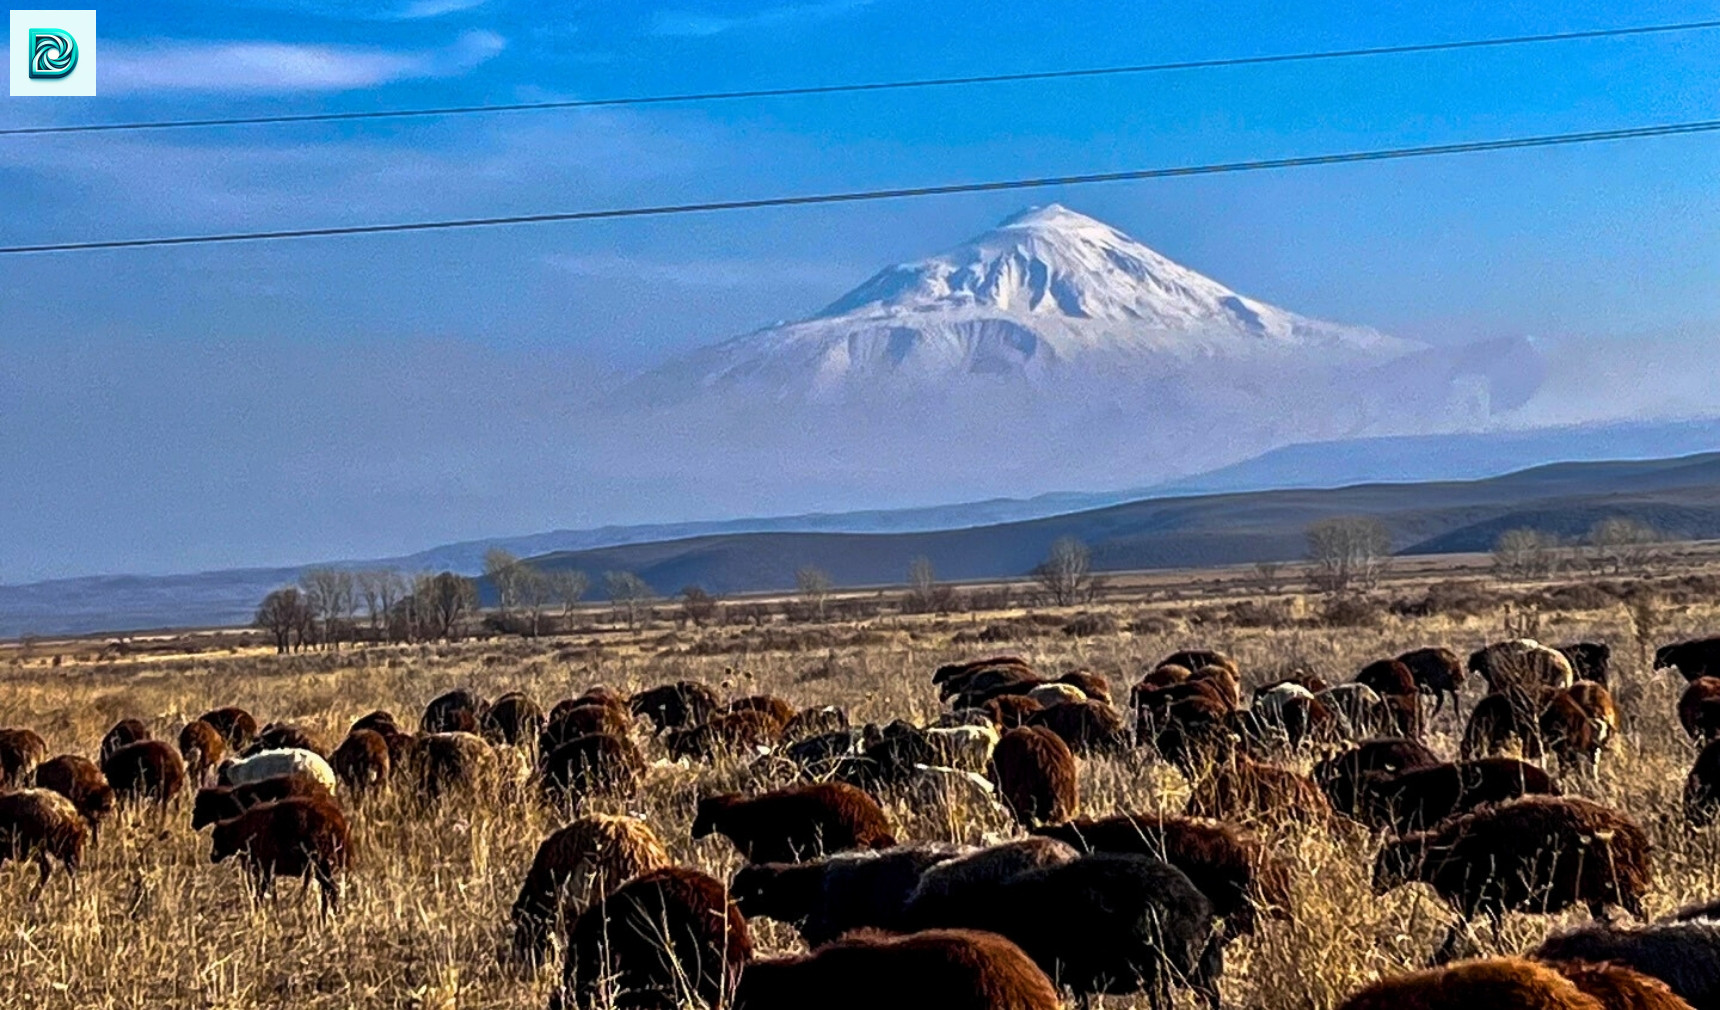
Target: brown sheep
1242,789
238,728
1195,659
597,764
1699,708
380,721
659,942
579,720
1493,984
1500,720
362,762
1088,727
296,837
1577,723
21,750
202,747
1009,711
1090,684
1236,872
780,712
1438,672
1224,678
513,719
1191,734
1395,682
39,824
147,770
797,823
950,970
577,865
726,735
1702,787
286,736
1036,776
1696,658
603,694
1619,988
215,804
444,763
79,780
676,706
1538,854
946,889
1416,799
457,711
1341,776
126,731
956,678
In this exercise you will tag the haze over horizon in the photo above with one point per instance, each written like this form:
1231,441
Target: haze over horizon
181,410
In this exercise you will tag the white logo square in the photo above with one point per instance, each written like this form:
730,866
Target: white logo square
53,53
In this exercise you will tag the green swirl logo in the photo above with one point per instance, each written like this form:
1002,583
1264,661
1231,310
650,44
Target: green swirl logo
53,53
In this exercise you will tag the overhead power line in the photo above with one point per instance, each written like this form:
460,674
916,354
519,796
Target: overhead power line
862,196
839,89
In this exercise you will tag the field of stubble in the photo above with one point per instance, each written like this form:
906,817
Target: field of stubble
152,923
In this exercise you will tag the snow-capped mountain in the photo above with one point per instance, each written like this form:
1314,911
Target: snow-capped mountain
1049,294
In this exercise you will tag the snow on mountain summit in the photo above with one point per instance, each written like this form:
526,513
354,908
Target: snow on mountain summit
1049,293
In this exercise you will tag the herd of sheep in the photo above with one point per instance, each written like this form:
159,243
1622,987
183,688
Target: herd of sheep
1129,902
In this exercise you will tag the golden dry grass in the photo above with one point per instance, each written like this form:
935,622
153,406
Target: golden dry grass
152,923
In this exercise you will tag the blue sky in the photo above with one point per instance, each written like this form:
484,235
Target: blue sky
166,410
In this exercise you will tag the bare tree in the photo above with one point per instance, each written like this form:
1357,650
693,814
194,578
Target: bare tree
1525,554
503,570
567,587
1270,574
1348,553
284,615
535,593
925,594
443,604
814,584
698,606
1620,544
381,590
631,594
1066,574
331,595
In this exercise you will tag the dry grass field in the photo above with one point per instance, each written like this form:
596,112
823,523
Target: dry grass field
151,923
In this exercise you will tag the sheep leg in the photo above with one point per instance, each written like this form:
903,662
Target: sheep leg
42,881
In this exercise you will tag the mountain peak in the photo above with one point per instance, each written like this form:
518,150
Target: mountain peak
1051,215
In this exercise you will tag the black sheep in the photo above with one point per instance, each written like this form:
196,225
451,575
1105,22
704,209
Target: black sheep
1589,660
1341,776
1438,672
458,711
513,719
1416,799
1684,955
1696,658
828,897
1702,787
676,706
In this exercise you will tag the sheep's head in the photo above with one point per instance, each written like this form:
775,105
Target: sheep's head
711,810
786,892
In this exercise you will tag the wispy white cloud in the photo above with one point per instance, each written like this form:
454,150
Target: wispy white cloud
695,24
718,274
246,66
369,10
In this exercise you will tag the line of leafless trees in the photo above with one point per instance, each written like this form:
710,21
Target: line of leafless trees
1614,546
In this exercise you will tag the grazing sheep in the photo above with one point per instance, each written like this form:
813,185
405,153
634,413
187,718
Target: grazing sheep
1242,789
126,731
1416,799
945,791
457,711
273,763
1619,988
1036,775
949,969
1090,684
79,780
953,671
1224,678
1195,659
794,824
39,824
994,682
1591,661
1191,734
949,888
826,898
1088,727
1388,677
589,858
724,735
658,942
1683,955
444,763
21,750
1341,775
597,764
223,803
1285,708
676,706
1366,714
361,762
1502,722
1438,672
1493,984
513,719
813,722
1153,680
1055,693
380,721
1231,867
816,755
1521,664
1702,787
1010,711
1699,708
1577,723
1538,854
286,736
587,717
1106,923
966,747
982,677
236,726
297,837
202,747
146,770
891,755
1699,657
780,712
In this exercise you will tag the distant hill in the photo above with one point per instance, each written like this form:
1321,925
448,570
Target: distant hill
1680,496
